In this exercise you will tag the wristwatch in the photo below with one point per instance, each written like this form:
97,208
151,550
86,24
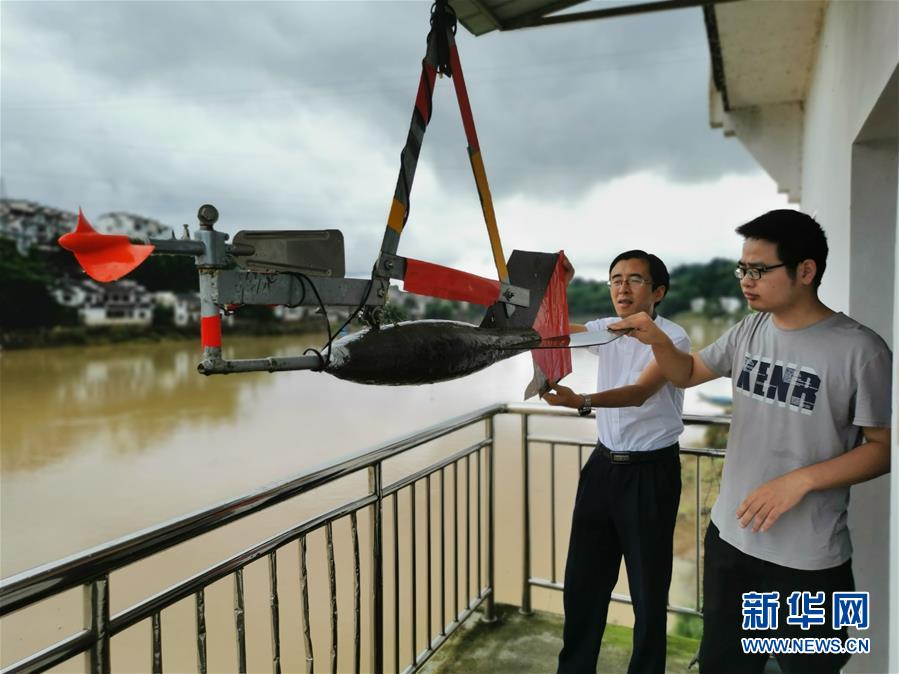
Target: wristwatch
585,407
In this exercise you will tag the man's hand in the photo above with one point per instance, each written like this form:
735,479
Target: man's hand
563,397
641,327
767,502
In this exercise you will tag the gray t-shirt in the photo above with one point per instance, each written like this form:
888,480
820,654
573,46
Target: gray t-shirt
800,397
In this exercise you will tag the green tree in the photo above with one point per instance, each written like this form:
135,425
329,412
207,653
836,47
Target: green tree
710,280
394,313
163,317
167,272
255,313
25,299
439,309
589,299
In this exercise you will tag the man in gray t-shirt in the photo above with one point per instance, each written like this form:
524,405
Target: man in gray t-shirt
801,397
811,416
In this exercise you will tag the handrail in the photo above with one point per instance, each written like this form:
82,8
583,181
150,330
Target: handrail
146,608
92,568
532,409
527,438
43,581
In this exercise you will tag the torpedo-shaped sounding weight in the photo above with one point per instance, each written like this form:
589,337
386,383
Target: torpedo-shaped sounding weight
423,352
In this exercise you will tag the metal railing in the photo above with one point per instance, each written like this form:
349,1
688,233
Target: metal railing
91,569
528,439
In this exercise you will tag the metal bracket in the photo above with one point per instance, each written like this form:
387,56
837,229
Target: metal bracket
391,266
311,252
509,294
241,287
216,252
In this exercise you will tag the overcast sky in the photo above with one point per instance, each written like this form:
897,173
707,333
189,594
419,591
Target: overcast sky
595,136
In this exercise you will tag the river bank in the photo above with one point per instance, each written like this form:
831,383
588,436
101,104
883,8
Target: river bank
80,335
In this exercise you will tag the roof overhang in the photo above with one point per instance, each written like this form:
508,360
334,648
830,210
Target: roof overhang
763,52
763,56
483,16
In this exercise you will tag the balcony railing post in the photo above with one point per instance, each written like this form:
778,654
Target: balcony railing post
698,510
377,570
489,608
96,618
526,518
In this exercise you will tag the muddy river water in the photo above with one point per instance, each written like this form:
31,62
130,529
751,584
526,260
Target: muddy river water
99,442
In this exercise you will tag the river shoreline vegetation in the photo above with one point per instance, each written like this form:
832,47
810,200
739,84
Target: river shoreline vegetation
31,315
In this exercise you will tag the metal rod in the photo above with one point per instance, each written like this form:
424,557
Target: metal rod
357,596
377,570
468,530
396,583
562,412
210,313
156,632
412,547
478,498
428,549
698,533
96,607
332,585
620,598
434,467
552,510
526,520
53,655
173,246
709,453
272,364
304,591
190,247
276,615
489,609
573,441
202,666
239,617
455,541
558,439
442,552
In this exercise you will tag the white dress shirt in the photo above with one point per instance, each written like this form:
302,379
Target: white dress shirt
658,422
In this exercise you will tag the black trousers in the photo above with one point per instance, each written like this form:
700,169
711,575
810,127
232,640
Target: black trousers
629,510
728,573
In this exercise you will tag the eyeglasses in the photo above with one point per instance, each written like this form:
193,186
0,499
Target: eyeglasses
633,282
755,273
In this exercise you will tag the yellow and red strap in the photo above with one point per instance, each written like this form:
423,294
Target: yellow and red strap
423,278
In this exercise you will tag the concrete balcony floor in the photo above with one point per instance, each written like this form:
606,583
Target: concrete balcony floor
531,644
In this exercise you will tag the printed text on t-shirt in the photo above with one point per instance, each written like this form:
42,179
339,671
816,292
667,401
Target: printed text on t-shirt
787,384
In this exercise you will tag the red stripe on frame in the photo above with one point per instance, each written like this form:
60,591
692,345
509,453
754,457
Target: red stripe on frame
211,331
433,280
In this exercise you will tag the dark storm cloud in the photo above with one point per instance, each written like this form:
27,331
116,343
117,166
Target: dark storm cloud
557,109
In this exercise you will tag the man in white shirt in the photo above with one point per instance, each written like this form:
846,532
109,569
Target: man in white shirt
629,489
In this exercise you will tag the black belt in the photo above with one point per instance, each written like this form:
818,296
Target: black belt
638,457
